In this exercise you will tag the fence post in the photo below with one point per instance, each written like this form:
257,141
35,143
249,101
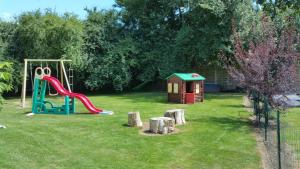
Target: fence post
257,111
266,111
278,139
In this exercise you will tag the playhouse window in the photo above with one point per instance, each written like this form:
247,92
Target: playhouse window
197,88
169,87
175,86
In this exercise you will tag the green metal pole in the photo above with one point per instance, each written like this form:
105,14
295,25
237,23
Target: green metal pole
35,95
43,91
43,95
266,110
67,105
278,140
73,105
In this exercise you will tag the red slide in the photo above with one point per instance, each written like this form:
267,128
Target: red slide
62,91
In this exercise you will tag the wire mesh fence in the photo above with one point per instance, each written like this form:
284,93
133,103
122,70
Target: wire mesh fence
269,134
281,135
290,142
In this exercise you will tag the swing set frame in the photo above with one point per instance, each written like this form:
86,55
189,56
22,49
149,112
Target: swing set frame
62,71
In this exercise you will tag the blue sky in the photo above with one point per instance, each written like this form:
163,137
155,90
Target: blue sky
11,8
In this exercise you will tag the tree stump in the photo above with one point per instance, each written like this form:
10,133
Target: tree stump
162,125
134,119
177,115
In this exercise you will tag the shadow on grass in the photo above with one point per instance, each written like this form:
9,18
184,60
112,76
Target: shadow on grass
233,105
125,125
27,112
82,113
227,123
79,113
153,97
222,96
145,97
161,97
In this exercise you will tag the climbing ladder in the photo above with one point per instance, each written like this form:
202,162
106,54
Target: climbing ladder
71,83
71,77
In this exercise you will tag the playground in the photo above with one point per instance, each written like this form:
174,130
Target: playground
120,84
217,135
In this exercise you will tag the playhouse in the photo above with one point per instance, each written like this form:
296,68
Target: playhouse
185,88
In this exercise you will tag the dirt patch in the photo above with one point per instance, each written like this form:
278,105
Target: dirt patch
261,149
145,131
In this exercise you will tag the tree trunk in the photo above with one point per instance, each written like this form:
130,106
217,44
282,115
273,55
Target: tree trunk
162,125
247,102
134,119
177,115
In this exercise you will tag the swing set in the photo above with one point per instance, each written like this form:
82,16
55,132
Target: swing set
60,69
42,79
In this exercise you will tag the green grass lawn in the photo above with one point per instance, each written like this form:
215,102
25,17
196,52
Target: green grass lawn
292,117
217,135
291,129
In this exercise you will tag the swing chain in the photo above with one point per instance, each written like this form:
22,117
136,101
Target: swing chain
71,78
31,75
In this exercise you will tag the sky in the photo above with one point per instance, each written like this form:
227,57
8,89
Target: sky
11,8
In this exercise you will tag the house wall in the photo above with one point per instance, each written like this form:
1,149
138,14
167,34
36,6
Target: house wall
200,96
217,75
172,97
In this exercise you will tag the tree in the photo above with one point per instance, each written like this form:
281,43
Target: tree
5,79
110,53
42,35
47,35
200,40
153,26
275,7
267,67
7,30
180,35
281,12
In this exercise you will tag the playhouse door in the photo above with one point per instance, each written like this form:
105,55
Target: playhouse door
189,98
189,95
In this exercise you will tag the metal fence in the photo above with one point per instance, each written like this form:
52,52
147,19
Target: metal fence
290,142
281,137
